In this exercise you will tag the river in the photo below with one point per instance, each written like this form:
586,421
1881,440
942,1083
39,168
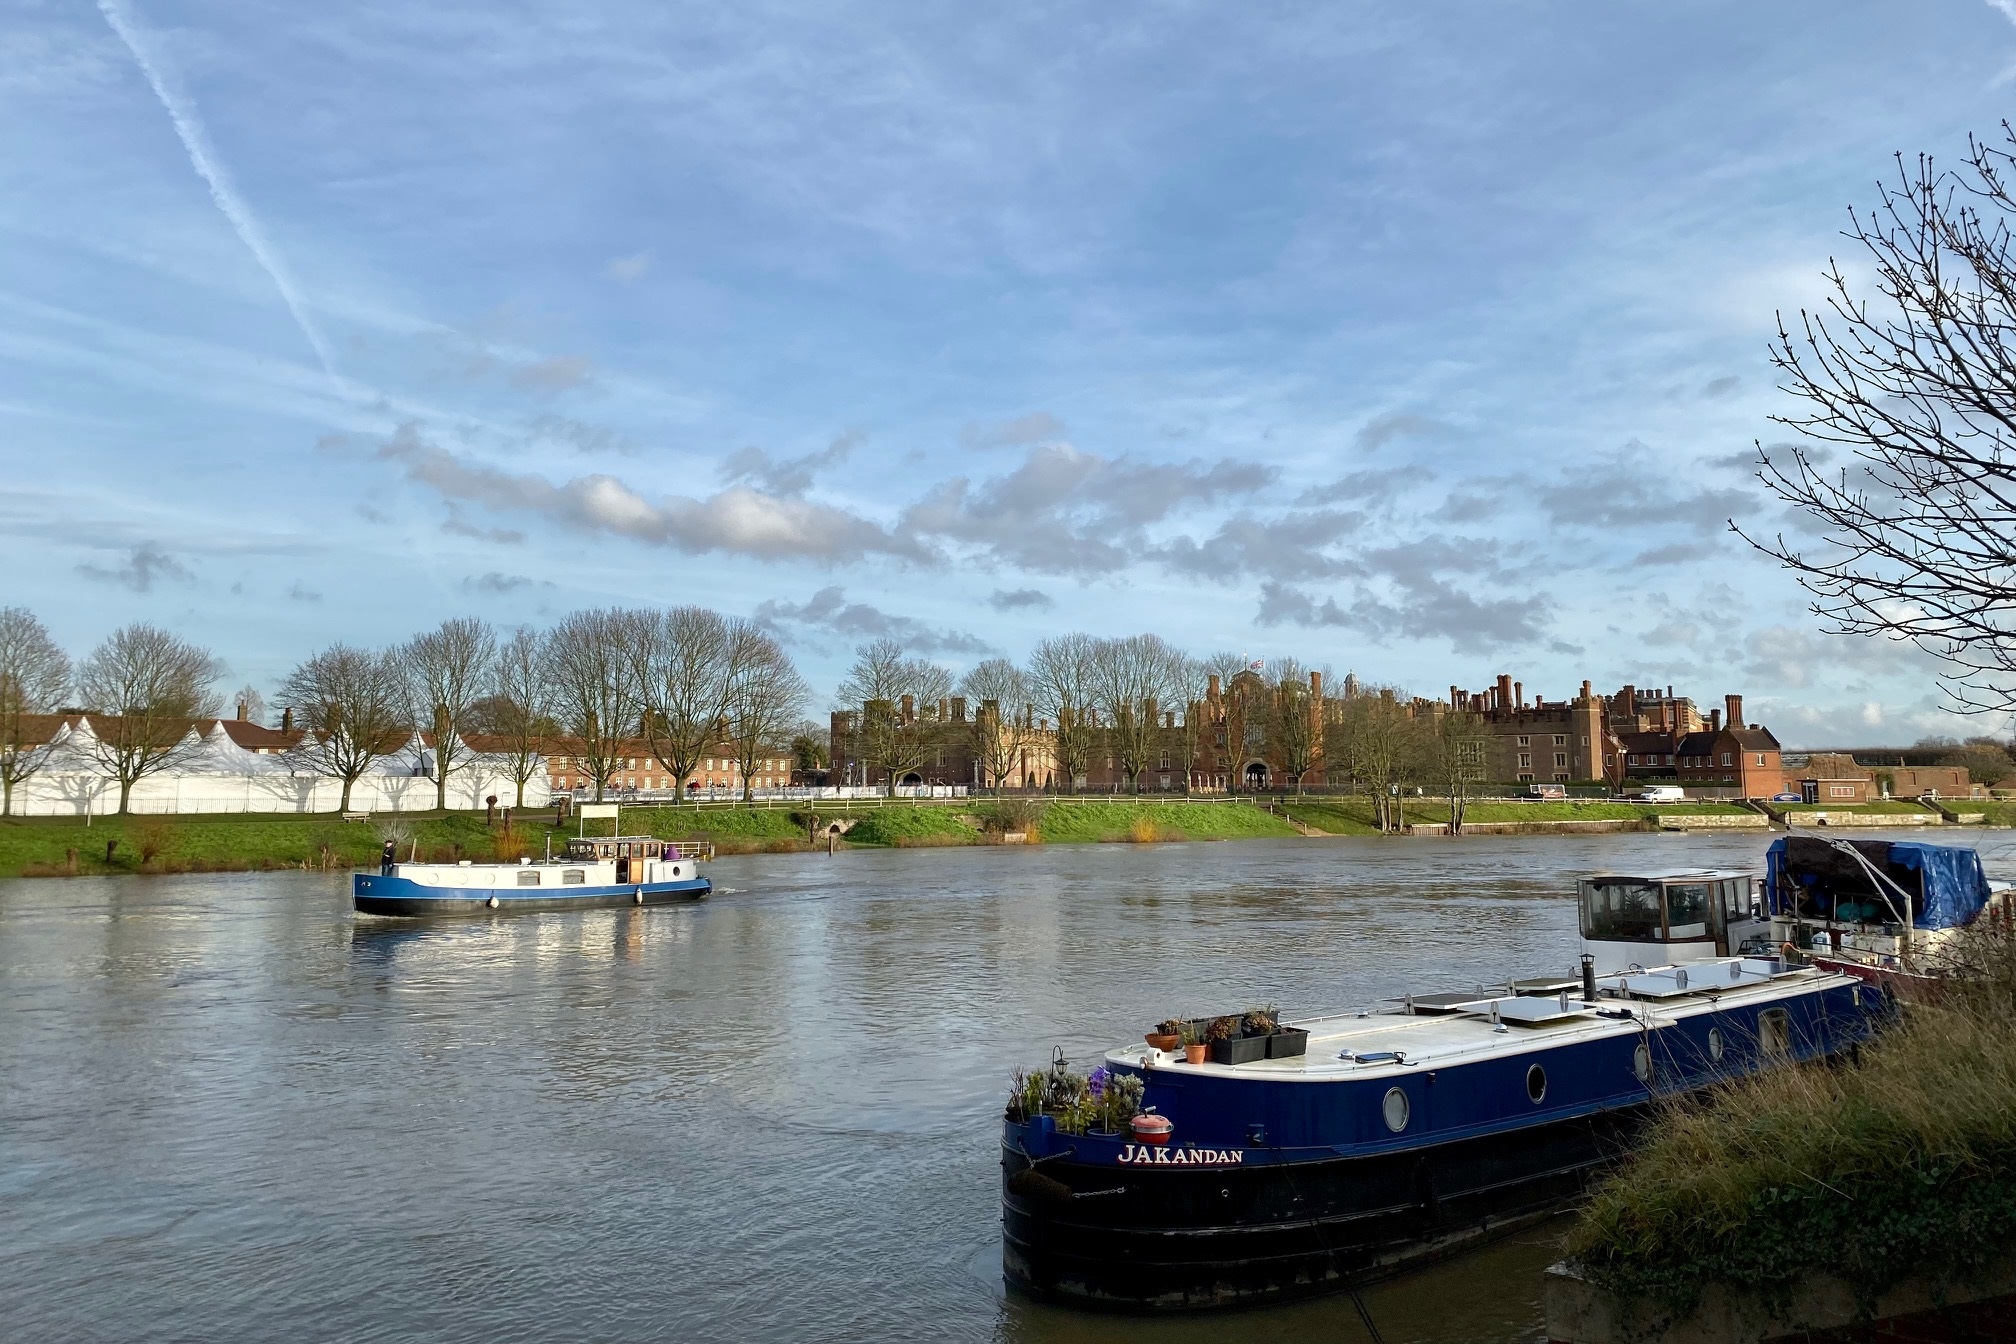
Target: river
230,1110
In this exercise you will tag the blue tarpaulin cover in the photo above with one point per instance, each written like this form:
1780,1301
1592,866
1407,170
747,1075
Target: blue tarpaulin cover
1955,885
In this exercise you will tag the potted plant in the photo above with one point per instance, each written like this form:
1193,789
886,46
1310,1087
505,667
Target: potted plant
1167,1035
1230,1044
1195,1048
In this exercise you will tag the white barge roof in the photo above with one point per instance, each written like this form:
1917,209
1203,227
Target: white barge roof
1404,1043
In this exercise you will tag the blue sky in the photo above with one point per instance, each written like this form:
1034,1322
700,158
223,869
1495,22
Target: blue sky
1425,342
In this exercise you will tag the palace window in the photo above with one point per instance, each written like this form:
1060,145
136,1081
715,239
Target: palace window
1525,741
1728,758
1560,759
1525,759
1560,739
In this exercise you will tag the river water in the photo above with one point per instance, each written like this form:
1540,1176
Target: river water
230,1110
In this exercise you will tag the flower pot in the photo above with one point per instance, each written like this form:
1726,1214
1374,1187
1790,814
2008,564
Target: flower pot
1239,1050
1196,1054
1163,1040
1287,1043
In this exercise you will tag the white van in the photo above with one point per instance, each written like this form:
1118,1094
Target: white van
1661,793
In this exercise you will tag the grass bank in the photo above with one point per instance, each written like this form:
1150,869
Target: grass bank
65,846
1900,1167
1353,815
1889,807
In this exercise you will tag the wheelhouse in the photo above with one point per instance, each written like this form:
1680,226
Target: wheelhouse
1657,918
603,849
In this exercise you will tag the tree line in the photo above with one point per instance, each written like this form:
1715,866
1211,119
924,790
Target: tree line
681,681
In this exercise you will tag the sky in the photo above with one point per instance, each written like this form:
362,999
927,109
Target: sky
1425,342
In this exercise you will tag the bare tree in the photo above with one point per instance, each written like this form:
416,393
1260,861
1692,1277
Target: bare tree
1294,720
1131,677
683,662
811,749
447,670
1190,678
519,709
1456,756
1374,736
1003,717
250,706
152,686
34,674
765,694
1225,665
897,722
589,661
1916,539
351,706
1062,681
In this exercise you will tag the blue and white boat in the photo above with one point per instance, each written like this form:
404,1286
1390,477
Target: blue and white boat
1397,1136
595,871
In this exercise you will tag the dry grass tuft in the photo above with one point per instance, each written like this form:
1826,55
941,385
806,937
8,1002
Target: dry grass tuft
1901,1163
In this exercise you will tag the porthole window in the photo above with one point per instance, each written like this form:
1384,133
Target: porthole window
1715,1044
1536,1083
1395,1109
1641,1062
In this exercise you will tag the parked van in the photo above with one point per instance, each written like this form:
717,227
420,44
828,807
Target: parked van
1661,793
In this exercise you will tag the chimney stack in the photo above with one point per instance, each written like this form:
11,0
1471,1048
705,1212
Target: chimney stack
1211,692
1735,704
1587,691
909,708
1714,720
1518,695
287,720
1504,691
1316,687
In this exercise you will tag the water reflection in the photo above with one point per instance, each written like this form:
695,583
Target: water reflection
230,1111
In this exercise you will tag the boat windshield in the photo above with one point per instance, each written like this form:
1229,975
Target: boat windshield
1686,909
1620,909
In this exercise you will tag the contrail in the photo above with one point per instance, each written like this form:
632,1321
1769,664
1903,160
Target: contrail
204,159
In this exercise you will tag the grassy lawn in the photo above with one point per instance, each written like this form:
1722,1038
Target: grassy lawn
1349,816
1501,810
40,846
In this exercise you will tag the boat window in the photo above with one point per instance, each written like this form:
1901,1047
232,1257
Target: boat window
1774,1031
1395,1109
528,877
1735,896
1686,909
1641,1062
1620,908
1536,1083
1715,1044
572,877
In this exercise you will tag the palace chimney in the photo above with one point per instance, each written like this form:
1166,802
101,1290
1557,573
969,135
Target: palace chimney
1518,695
1587,692
909,708
1504,691
1735,703
1211,690
287,720
1714,720
1316,687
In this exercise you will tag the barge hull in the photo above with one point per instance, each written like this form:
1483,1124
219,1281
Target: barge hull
391,896
1097,1236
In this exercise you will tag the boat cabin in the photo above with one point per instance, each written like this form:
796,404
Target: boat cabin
1875,902
603,849
1660,919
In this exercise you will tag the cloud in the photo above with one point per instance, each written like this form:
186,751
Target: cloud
1795,656
1728,382
1381,430
736,521
203,158
1020,599
1066,511
496,584
829,612
1636,490
1420,608
1470,504
1358,487
552,375
790,476
1286,546
578,435
1021,432
2006,8
143,566
458,526
1678,552
301,593
632,268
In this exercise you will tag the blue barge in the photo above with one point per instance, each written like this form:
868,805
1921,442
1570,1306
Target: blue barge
1402,1135
594,872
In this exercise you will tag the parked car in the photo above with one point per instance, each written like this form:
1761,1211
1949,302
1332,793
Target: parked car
1658,793
1542,792
1929,796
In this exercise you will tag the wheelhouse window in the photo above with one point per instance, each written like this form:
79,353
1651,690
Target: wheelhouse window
1620,910
1687,910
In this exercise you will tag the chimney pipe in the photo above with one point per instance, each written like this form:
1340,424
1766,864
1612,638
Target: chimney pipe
1504,691
1735,704
1519,695
1714,720
287,720
1211,691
